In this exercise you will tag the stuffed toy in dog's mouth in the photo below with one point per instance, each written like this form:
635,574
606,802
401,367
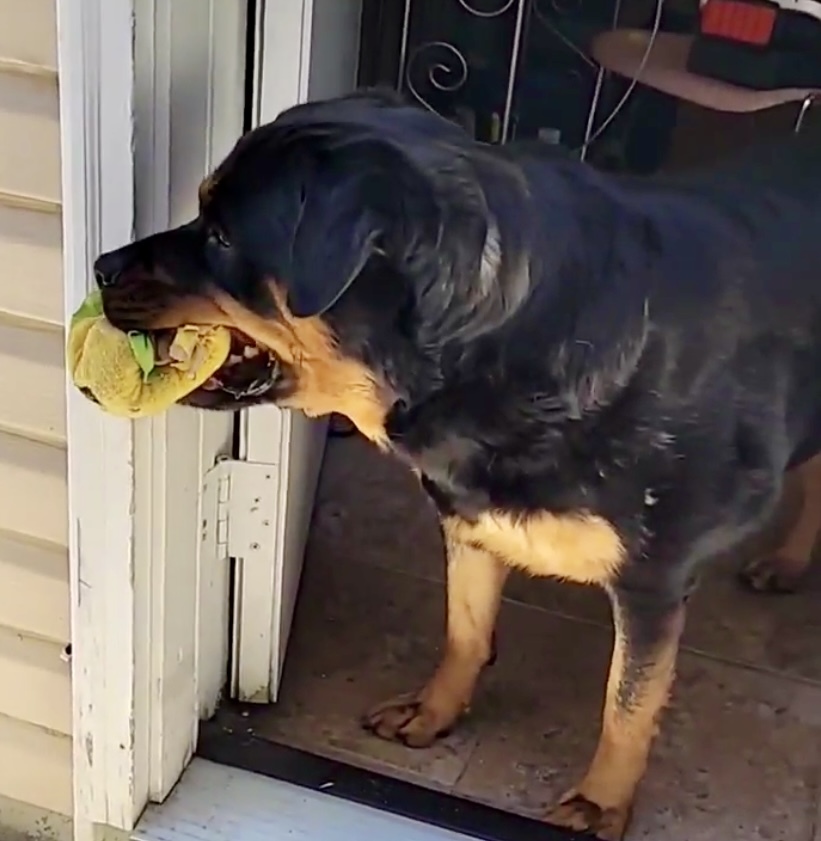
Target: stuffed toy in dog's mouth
140,374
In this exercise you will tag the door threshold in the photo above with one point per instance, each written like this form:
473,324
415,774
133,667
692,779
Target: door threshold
244,787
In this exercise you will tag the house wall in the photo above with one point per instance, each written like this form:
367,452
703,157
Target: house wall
35,689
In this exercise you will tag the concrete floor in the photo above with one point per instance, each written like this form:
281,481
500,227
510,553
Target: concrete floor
739,756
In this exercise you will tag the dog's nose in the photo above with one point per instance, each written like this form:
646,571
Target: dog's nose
109,267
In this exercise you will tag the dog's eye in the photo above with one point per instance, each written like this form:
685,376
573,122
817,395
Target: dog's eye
218,238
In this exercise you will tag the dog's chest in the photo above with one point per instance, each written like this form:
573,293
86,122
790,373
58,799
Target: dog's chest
581,547
578,547
540,525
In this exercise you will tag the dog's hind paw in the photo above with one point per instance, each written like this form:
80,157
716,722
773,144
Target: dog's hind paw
773,574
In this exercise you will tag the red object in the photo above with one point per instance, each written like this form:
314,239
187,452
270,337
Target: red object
735,20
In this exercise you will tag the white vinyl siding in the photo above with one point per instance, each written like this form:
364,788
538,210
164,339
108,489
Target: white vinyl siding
30,132
32,366
35,682
31,254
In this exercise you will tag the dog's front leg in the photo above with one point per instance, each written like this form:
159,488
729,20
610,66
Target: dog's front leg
647,637
475,579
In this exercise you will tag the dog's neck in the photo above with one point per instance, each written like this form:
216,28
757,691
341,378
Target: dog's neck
520,318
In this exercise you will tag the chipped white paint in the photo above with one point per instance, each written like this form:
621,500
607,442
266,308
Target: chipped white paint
189,88
97,189
139,580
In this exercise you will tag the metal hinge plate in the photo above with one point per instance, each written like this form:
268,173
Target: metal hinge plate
243,499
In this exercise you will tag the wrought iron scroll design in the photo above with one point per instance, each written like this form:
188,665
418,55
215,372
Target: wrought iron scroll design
445,65
489,13
443,77
446,69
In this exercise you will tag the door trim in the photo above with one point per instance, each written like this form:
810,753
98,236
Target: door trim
143,665
189,81
306,49
109,674
283,30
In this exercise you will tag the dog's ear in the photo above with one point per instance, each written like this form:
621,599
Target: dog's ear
335,235
325,198
363,201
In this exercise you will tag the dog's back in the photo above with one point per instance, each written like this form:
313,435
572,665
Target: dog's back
770,197
727,261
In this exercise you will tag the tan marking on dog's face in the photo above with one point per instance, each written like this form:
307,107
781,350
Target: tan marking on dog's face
582,548
325,381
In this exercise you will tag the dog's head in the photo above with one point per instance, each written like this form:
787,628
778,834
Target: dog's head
345,244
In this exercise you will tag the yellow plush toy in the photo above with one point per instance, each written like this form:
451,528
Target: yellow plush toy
131,374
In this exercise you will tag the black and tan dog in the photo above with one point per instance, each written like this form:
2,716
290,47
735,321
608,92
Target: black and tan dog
598,379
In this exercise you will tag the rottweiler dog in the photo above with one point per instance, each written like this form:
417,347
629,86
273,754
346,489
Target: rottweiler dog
598,378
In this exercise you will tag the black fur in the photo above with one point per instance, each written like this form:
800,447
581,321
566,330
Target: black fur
644,350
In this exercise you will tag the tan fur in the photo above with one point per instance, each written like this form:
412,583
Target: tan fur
781,569
628,727
475,582
797,548
580,548
326,381
585,549
206,188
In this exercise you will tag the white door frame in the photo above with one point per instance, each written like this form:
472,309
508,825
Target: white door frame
265,592
142,575
264,431
110,759
297,60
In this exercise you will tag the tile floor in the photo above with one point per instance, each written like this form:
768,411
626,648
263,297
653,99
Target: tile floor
739,756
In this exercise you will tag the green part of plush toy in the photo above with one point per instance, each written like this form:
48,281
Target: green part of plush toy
123,372
141,345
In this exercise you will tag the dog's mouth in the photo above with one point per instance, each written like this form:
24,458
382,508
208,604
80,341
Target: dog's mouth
251,374
248,371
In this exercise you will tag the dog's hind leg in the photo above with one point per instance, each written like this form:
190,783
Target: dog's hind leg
642,669
782,570
475,579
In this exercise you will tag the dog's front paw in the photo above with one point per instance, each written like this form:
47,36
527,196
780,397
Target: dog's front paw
575,811
409,719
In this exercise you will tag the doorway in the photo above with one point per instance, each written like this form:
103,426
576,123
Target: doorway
738,753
